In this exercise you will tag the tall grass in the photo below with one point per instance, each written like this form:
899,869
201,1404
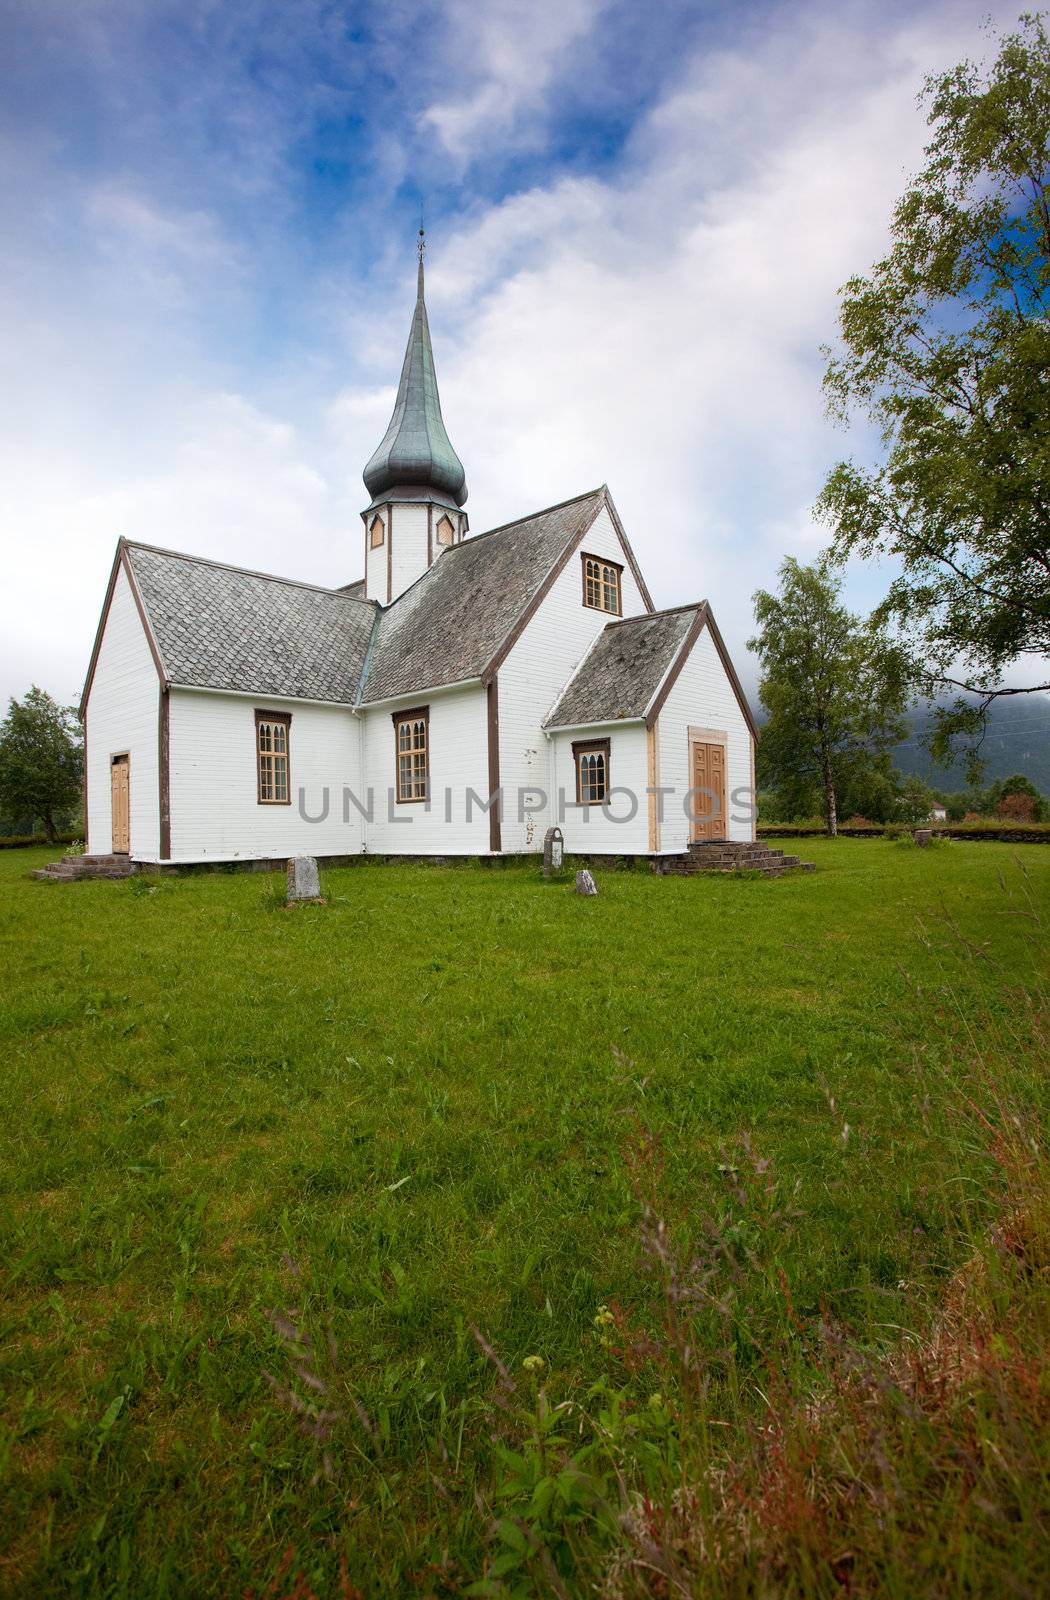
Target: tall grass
740,1447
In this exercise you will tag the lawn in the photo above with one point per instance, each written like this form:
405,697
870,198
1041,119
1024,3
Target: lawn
403,1117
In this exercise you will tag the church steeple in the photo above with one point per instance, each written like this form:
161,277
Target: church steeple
416,454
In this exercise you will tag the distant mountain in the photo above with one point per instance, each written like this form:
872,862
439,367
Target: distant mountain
1018,740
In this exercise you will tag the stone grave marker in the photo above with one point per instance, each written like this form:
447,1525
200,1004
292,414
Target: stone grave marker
553,852
585,884
303,880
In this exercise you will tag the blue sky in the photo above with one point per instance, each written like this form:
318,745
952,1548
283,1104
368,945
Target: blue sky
638,217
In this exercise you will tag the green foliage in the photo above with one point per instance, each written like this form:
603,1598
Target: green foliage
413,1113
946,346
41,760
834,687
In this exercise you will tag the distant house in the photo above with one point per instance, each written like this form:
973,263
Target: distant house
458,699
938,814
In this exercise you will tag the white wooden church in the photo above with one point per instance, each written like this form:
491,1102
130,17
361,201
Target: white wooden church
464,695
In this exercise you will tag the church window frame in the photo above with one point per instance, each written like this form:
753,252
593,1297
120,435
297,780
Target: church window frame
273,757
412,755
445,532
602,585
591,758
377,525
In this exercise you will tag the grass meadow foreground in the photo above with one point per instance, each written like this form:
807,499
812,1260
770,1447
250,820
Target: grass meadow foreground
467,1236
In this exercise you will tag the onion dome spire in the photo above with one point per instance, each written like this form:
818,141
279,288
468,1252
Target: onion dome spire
415,451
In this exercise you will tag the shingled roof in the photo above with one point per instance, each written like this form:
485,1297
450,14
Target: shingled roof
219,627
619,676
452,623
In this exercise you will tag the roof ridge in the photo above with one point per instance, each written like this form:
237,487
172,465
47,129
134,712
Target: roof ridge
247,572
516,522
467,544
650,616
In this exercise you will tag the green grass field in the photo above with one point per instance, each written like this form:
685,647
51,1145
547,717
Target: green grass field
402,1116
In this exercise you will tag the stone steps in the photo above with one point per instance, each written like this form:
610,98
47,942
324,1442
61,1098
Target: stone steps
71,869
727,856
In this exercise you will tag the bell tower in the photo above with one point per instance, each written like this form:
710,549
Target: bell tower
415,478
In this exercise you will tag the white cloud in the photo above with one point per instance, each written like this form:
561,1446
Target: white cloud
511,53
657,326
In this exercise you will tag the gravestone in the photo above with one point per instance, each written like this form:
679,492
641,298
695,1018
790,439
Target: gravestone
553,851
585,884
923,837
303,881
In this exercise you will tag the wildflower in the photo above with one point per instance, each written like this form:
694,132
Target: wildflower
533,1363
655,1402
604,1317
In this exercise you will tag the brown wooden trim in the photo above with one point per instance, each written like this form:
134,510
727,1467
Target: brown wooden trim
120,562
652,778
601,561
754,795
100,630
538,598
164,770
430,535
370,526
730,671
590,747
143,618
703,620
87,839
636,571
390,553
696,628
273,716
492,723
364,524
410,714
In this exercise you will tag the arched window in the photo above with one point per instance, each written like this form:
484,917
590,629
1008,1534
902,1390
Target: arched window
601,585
412,746
376,533
592,771
271,755
446,534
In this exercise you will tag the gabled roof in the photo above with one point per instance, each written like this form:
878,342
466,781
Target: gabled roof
619,676
632,667
462,616
220,627
214,626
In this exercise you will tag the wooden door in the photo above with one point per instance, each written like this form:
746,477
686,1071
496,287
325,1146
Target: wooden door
121,804
708,774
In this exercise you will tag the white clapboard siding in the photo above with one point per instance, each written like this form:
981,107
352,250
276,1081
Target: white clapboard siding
621,828
536,671
215,810
376,560
458,761
703,697
409,547
122,714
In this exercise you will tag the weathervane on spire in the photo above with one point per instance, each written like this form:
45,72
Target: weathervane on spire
421,247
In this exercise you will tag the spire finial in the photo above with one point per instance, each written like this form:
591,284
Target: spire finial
421,247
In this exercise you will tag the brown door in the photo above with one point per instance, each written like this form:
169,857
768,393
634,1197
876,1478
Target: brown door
121,792
708,767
